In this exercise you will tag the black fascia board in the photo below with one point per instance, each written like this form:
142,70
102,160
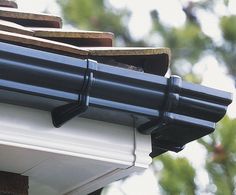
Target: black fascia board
173,111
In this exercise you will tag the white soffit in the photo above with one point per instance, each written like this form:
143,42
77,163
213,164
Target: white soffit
79,157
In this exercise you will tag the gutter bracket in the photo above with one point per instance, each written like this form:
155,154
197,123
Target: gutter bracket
157,126
64,113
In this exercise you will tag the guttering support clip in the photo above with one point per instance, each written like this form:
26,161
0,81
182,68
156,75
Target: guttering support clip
64,113
157,126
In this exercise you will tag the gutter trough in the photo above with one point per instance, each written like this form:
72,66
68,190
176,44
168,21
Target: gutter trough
172,111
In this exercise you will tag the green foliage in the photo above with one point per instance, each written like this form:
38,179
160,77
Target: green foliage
221,164
92,15
226,24
227,52
187,42
227,56
177,176
99,15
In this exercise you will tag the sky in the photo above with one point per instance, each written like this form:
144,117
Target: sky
214,75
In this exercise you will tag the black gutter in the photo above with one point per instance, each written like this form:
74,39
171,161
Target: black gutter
173,111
